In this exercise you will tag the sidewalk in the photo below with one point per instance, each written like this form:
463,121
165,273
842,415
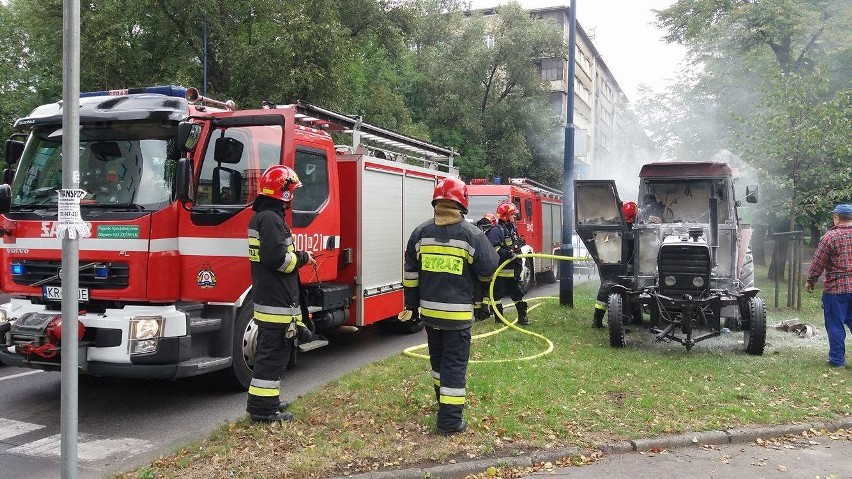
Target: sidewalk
769,452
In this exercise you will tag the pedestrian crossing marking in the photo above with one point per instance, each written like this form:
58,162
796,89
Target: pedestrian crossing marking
10,428
89,447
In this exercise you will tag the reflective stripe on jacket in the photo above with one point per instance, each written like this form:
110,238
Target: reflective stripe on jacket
275,267
442,265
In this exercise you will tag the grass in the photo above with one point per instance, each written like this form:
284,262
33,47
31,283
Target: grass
584,392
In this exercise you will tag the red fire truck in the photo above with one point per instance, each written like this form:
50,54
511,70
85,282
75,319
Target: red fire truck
539,221
169,176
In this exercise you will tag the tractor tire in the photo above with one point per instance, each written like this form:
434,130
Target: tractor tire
617,315
754,330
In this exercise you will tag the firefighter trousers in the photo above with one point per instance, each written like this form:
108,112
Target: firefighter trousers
449,351
271,357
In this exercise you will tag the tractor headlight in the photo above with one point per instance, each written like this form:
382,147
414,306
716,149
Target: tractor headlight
670,280
698,281
3,317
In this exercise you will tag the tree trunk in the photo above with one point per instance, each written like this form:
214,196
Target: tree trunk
779,258
758,245
814,233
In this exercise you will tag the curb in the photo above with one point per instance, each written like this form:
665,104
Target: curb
728,436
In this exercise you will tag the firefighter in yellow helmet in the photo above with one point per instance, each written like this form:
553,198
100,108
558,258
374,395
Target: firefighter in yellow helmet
275,264
444,259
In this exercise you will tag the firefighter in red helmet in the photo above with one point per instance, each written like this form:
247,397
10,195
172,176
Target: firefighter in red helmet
275,264
629,211
444,260
508,244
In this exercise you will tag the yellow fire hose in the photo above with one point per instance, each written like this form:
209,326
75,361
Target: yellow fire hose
411,351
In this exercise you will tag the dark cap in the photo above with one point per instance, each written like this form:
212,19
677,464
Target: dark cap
843,209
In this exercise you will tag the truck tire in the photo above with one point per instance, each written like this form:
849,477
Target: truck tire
238,376
617,314
525,281
747,270
393,325
754,331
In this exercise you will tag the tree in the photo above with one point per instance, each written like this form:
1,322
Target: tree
485,94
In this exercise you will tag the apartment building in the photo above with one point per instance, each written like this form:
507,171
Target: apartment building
608,134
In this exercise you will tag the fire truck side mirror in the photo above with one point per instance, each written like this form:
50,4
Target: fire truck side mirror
14,150
751,194
5,198
188,135
183,177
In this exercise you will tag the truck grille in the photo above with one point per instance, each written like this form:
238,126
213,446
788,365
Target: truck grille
688,264
107,275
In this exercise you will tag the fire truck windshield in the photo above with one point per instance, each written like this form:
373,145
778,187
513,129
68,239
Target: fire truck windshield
121,165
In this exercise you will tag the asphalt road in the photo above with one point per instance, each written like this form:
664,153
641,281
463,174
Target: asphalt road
126,423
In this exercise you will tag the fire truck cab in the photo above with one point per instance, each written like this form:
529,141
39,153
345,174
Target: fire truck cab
539,221
169,178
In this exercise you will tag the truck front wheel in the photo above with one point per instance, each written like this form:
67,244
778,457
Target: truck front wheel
238,376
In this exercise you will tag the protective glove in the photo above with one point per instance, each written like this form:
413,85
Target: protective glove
409,315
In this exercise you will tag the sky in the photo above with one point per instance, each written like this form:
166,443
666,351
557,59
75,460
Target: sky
626,38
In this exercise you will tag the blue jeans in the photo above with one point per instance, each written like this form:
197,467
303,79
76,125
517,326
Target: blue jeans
838,313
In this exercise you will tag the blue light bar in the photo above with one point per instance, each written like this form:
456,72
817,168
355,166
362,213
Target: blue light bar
101,271
17,269
168,90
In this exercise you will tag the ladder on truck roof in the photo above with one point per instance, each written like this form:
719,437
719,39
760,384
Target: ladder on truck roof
397,144
536,186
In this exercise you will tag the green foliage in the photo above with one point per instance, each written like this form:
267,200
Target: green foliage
771,85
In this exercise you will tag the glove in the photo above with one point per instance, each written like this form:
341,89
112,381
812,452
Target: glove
409,315
482,313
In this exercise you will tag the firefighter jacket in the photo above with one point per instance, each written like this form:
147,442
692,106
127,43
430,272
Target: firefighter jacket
508,245
275,267
443,264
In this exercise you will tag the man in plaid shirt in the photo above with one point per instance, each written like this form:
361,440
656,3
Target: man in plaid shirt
834,256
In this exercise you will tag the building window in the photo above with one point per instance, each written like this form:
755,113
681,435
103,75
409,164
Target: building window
551,69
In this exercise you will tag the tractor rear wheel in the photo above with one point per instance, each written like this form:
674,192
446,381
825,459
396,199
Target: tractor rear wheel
618,314
754,330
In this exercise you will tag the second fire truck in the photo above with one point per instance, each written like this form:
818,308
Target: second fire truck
539,221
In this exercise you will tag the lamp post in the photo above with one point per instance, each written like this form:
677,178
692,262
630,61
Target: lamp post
566,269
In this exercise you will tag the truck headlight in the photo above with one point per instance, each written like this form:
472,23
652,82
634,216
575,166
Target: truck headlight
146,327
145,334
698,281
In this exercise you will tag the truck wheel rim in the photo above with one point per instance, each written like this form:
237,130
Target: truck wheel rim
250,343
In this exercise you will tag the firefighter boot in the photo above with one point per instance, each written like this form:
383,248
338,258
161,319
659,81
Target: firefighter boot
597,322
521,306
499,309
277,417
283,405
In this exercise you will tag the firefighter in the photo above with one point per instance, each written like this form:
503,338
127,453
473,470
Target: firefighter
275,264
482,307
629,211
508,245
444,259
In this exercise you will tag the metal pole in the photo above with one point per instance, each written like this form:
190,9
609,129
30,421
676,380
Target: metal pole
204,60
566,269
70,246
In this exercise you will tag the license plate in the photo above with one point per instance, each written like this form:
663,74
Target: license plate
54,293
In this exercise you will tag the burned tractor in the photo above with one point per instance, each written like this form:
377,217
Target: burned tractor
685,261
